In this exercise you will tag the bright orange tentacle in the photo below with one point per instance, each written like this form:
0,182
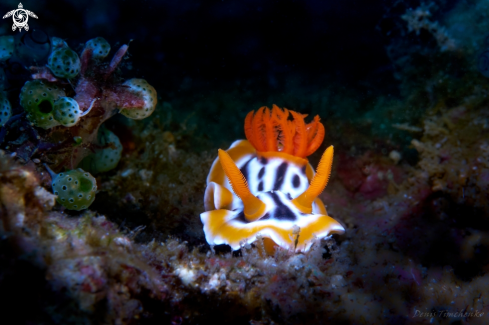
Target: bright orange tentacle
317,140
258,130
284,131
279,113
304,201
277,129
270,137
254,208
248,128
291,133
284,136
312,128
300,136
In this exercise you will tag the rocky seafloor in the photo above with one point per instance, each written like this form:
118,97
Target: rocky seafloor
409,183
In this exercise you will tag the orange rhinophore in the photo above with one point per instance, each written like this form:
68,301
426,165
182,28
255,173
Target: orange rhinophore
283,131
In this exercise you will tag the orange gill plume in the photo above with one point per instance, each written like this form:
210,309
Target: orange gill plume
284,131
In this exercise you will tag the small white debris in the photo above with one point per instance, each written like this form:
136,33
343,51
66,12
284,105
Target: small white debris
122,241
418,145
186,275
296,230
297,262
380,175
46,198
395,156
127,172
145,174
19,220
337,281
214,282
407,127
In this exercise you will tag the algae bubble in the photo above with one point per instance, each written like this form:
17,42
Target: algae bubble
75,189
37,98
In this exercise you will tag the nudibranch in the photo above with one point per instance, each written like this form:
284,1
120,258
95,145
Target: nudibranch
265,187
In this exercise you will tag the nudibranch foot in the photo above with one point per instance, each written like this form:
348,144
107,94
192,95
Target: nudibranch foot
230,227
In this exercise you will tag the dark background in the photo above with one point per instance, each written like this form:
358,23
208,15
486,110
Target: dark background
217,42
212,62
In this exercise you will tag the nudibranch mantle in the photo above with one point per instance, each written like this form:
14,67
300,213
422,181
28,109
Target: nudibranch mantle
264,187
